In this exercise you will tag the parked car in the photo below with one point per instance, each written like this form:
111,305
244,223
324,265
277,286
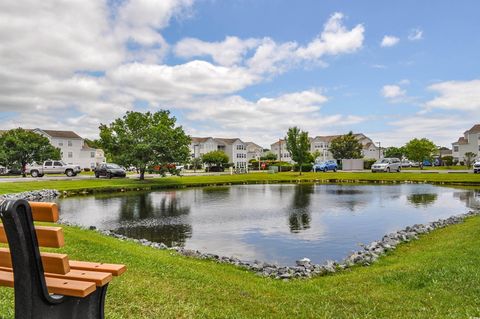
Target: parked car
109,170
325,166
407,163
53,167
476,167
387,165
427,163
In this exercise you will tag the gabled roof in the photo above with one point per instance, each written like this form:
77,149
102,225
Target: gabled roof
200,139
474,129
253,144
227,140
60,134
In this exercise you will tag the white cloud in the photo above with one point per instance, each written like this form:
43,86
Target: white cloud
268,56
392,92
415,34
389,41
456,95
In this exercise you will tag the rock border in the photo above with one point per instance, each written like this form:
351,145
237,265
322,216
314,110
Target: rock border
303,268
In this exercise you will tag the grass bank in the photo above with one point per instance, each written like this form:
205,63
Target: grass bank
105,185
434,277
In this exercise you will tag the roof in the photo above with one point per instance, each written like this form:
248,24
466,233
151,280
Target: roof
253,144
200,139
462,141
227,140
474,129
61,134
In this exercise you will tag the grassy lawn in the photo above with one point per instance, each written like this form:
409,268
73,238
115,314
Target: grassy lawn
435,277
453,168
97,185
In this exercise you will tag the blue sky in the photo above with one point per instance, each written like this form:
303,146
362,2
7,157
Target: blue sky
245,68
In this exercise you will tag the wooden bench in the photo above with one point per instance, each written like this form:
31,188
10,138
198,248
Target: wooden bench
48,285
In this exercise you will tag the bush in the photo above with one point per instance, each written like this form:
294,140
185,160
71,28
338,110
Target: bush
447,160
462,163
367,163
305,167
86,169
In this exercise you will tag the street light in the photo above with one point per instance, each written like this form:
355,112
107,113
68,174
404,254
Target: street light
379,149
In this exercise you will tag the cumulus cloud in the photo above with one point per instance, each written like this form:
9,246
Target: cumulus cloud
267,56
389,41
393,92
415,34
456,95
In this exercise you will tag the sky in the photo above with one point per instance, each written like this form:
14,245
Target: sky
244,68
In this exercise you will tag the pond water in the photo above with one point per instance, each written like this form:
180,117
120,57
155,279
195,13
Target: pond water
274,223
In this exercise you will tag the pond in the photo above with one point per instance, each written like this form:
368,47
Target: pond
273,223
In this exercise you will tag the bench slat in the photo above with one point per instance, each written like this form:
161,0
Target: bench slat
47,236
52,262
99,278
57,286
44,212
114,269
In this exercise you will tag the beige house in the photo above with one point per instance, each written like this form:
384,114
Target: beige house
254,151
235,149
321,144
469,142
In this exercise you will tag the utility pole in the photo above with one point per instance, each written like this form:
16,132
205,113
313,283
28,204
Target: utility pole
379,150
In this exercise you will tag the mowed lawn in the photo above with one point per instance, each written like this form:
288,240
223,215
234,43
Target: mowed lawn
437,276
97,185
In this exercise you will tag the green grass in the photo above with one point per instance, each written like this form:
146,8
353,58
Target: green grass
435,277
105,185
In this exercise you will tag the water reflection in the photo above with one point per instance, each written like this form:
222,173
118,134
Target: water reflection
423,200
299,216
275,223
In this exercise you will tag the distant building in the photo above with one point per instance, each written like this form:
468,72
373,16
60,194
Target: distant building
235,149
469,142
254,151
322,145
73,148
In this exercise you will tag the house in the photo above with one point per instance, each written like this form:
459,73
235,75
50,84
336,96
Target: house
235,149
469,142
254,151
73,148
321,144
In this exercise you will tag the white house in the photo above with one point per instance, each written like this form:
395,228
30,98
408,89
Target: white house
321,144
469,142
73,148
254,151
235,149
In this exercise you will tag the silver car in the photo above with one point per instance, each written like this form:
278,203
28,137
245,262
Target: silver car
387,165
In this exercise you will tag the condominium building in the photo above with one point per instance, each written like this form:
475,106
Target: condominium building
254,151
469,142
234,148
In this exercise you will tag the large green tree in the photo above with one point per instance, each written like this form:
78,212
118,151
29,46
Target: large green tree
346,147
145,139
215,158
19,147
298,145
393,151
418,150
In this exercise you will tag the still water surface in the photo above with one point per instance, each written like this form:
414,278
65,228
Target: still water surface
274,223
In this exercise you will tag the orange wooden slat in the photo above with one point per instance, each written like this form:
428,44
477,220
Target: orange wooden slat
99,278
57,286
47,236
114,269
44,212
52,262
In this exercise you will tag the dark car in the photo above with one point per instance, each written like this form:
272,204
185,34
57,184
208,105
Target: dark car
109,170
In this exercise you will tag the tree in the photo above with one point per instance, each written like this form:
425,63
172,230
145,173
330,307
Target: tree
21,147
145,139
393,151
215,158
196,163
269,157
469,156
298,145
346,147
448,160
418,150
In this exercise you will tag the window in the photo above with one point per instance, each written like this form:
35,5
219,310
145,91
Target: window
60,143
455,148
57,163
70,154
48,163
92,154
69,143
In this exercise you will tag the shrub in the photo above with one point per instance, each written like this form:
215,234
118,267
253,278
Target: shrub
367,163
447,160
86,169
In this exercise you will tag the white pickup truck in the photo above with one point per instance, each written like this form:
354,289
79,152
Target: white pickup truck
53,167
